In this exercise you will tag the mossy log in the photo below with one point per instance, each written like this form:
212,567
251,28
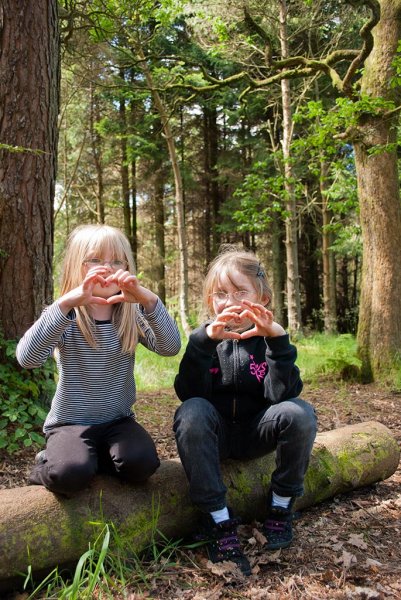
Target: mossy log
40,529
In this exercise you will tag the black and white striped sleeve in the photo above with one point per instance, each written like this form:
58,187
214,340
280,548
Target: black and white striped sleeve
159,332
39,342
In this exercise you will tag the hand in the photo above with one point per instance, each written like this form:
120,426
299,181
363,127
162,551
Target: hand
218,329
83,294
264,325
131,290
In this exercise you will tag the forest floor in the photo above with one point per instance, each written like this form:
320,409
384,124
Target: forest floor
345,548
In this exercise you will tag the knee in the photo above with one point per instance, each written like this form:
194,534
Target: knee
69,478
194,418
300,417
139,467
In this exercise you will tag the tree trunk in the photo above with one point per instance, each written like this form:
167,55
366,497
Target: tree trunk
158,267
212,193
29,88
379,330
97,153
124,169
179,197
329,272
291,241
342,460
278,269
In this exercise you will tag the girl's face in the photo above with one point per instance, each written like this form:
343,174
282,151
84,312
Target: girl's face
105,266
229,292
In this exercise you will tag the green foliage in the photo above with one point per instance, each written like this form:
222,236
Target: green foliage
23,395
328,355
153,372
112,567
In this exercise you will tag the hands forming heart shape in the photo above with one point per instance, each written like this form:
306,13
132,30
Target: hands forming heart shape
117,287
235,322
100,288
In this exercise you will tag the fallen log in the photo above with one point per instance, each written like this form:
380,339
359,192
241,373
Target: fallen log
40,529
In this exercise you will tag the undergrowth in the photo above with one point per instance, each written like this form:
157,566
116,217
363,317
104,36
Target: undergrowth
112,567
24,396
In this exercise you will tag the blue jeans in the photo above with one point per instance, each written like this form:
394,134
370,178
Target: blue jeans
204,438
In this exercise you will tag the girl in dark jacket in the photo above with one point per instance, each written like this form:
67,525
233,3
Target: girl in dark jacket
239,388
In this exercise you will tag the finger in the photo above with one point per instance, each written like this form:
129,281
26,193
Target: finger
256,307
231,335
249,333
98,300
228,316
118,298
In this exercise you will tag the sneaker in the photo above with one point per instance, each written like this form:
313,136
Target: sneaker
278,527
222,542
40,458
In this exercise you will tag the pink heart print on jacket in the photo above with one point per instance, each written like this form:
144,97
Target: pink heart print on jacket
258,370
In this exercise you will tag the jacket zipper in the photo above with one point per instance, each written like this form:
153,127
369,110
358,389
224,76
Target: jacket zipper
236,361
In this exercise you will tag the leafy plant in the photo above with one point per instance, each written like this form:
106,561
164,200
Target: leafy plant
23,397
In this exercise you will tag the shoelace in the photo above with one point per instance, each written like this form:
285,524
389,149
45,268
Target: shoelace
273,525
230,542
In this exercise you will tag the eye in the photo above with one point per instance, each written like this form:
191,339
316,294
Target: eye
220,295
94,261
118,264
241,294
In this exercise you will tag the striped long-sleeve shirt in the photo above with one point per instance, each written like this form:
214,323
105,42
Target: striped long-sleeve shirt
95,385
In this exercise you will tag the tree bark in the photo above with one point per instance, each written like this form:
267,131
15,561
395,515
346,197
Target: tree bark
29,87
57,531
97,153
291,241
179,196
379,330
124,168
329,270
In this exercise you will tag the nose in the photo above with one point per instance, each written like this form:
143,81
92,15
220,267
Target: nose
107,263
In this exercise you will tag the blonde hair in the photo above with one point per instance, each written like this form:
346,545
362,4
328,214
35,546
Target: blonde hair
232,259
98,240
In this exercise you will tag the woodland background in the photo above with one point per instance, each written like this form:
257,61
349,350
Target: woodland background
273,125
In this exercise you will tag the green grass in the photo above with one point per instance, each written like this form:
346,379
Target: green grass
154,372
327,355
318,355
111,568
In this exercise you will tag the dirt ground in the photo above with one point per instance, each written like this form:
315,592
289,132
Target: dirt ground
345,548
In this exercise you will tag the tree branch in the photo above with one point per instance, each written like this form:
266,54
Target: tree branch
367,47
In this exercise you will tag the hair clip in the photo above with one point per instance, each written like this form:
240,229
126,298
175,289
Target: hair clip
260,272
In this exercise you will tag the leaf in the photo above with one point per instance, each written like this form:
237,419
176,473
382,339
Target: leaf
347,559
259,537
356,539
225,567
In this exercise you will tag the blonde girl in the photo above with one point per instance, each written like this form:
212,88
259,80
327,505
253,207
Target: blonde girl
92,330
239,388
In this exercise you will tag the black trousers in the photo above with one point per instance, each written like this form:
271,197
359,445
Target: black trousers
76,453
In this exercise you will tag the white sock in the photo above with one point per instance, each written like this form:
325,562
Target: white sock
220,515
282,501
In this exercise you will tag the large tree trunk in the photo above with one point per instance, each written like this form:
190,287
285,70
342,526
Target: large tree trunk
56,530
29,85
379,331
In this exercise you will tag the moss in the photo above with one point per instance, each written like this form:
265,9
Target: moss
320,474
240,488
